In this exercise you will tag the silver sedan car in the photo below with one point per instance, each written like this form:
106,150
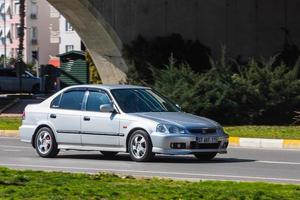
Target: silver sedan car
119,118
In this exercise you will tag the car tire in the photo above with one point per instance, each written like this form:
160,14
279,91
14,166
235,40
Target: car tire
140,146
45,143
109,154
205,156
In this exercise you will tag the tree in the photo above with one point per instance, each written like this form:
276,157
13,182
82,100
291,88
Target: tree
20,65
21,30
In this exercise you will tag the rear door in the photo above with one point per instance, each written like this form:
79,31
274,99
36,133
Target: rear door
65,115
99,128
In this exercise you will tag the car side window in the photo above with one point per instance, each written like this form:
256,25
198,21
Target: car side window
95,100
55,102
72,100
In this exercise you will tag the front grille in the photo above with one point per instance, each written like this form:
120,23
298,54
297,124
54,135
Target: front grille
195,145
202,130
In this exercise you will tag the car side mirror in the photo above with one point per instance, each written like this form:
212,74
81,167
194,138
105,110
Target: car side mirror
107,108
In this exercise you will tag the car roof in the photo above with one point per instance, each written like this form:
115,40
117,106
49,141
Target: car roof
111,86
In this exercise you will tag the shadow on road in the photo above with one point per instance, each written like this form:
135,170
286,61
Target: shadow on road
157,158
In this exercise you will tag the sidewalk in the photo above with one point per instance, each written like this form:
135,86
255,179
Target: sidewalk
233,141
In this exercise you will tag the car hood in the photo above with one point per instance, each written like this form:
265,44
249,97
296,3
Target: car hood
179,118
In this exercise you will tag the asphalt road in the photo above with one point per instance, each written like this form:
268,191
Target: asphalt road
239,164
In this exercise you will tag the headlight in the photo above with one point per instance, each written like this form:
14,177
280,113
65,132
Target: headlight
169,129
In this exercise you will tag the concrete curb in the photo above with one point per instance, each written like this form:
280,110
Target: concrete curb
9,133
233,141
264,143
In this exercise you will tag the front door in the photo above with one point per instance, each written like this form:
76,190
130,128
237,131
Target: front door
99,128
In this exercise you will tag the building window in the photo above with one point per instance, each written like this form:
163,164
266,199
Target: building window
69,27
34,35
34,11
17,31
34,32
17,8
69,48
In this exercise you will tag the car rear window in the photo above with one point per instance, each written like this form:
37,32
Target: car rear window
72,100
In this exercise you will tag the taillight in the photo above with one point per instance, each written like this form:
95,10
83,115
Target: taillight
23,115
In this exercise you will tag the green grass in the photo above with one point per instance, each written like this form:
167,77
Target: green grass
280,132
9,123
56,185
276,132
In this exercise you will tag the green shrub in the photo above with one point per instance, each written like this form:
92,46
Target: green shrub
180,84
255,93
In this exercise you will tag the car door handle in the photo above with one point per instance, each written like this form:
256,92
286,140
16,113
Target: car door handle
86,118
53,116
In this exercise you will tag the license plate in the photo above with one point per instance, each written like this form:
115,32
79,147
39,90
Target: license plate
204,140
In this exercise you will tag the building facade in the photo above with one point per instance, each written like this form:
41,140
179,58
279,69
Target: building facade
41,30
69,39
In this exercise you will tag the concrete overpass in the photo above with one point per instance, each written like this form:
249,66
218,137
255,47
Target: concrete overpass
247,28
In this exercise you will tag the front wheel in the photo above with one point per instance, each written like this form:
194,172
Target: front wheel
45,143
205,156
140,146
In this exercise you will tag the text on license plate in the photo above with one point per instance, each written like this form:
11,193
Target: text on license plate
207,139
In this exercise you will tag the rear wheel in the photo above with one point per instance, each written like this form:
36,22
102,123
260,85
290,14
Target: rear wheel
109,154
140,146
45,143
205,156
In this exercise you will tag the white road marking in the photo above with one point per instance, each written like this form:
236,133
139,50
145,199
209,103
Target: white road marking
17,147
278,162
14,150
9,138
154,172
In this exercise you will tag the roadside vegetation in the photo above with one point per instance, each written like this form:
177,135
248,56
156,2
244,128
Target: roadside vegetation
271,132
56,185
9,123
231,91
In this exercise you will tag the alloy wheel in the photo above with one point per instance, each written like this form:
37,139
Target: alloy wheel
138,146
44,142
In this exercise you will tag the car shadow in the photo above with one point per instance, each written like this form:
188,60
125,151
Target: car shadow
156,159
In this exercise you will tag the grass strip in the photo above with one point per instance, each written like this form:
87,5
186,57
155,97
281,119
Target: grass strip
10,123
272,132
57,185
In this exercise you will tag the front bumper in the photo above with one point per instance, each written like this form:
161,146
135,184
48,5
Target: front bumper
166,144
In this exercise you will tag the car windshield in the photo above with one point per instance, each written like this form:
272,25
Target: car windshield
142,100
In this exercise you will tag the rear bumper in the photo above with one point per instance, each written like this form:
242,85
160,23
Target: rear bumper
26,133
162,143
